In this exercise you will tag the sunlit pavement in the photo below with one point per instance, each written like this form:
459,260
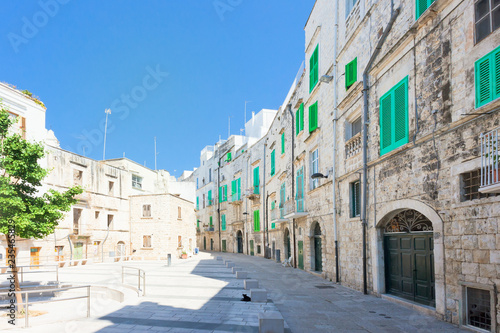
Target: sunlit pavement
201,295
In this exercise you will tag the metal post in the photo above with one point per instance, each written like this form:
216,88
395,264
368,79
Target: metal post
26,313
88,301
144,284
122,273
169,259
57,273
139,280
22,275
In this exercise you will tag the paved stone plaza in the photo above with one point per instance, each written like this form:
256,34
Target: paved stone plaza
201,295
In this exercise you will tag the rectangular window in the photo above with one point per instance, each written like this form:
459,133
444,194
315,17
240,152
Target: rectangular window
313,117
487,77
77,215
179,213
273,162
394,117
209,175
487,18
146,241
223,245
355,199
352,129
470,183
136,182
283,143
313,69
146,210
314,168
77,177
349,5
299,119
236,190
223,222
110,221
256,220
223,193
422,6
256,180
478,312
96,214
111,188
351,73
179,241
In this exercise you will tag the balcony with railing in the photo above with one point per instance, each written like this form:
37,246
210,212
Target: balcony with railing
295,208
490,162
236,198
277,215
253,193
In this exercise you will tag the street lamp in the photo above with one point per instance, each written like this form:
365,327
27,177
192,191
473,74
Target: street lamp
326,78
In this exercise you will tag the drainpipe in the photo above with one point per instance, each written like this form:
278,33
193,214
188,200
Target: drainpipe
289,106
263,194
70,248
102,246
335,109
364,119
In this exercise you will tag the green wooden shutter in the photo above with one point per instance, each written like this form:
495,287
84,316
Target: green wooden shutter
273,205
220,193
496,73
197,203
394,117
351,73
313,117
273,162
238,186
224,193
282,143
256,220
297,122
256,181
487,77
301,116
421,6
211,224
209,197
223,222
313,69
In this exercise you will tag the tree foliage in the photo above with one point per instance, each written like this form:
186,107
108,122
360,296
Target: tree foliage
32,214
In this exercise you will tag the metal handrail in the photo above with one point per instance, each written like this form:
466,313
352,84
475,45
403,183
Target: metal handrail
34,271
140,274
27,303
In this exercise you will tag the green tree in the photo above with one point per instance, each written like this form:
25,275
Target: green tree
24,211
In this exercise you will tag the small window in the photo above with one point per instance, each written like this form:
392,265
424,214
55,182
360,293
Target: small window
314,168
77,215
353,129
478,312
283,143
349,5
146,241
209,175
110,221
97,214
136,182
111,188
258,249
179,213
355,199
77,177
470,183
273,162
487,18
421,6
146,210
179,241
223,222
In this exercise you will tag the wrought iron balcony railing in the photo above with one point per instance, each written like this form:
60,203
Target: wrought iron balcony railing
490,162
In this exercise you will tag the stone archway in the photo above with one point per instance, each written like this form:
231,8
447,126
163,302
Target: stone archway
316,246
120,249
389,211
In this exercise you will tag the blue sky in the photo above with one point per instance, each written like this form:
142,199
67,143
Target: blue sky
171,69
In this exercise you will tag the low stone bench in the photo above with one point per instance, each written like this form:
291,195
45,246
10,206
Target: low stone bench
258,295
241,275
236,269
219,258
230,264
271,322
251,284
226,261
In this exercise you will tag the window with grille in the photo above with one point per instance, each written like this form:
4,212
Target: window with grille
355,199
471,181
146,210
486,17
478,308
146,241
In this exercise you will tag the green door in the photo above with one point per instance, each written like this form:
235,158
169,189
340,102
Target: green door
78,251
410,266
251,248
300,246
223,245
318,260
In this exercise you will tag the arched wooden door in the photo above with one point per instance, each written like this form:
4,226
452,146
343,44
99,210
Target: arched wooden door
409,257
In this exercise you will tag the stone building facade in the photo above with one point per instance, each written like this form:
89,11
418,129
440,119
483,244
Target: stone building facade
99,225
399,101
